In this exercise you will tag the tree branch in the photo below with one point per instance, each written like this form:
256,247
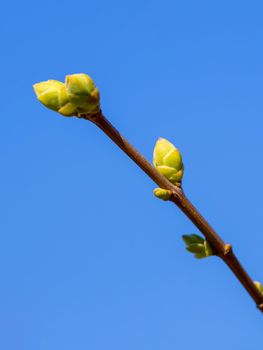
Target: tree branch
222,250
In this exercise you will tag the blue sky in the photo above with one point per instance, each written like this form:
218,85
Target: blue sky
89,259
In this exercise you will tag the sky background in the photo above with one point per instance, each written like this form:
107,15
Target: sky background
89,258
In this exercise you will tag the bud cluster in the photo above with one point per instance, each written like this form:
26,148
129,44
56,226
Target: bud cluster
78,95
198,246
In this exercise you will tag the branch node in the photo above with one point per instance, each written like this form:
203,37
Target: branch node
227,249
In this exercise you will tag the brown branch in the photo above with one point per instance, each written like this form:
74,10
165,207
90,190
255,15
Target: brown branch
224,251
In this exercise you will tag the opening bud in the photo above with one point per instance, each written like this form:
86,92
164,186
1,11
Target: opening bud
82,93
53,95
198,246
168,160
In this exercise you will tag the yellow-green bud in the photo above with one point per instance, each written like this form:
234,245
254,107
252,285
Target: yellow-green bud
82,93
259,286
53,95
198,246
163,194
168,160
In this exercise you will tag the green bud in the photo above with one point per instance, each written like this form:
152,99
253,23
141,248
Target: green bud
52,94
168,160
198,246
163,194
259,286
82,93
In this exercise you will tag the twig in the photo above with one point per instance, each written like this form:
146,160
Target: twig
222,250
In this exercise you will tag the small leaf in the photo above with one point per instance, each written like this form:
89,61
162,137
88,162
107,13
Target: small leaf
196,248
191,239
199,256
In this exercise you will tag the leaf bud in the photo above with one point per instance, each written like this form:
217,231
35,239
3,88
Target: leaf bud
82,93
168,160
163,194
52,94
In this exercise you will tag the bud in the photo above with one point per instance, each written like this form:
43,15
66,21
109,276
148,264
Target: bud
163,194
259,286
198,246
52,94
82,93
168,160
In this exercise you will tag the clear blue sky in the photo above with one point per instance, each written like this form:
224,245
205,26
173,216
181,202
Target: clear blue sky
89,259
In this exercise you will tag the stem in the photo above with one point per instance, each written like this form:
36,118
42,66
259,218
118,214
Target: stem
222,250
